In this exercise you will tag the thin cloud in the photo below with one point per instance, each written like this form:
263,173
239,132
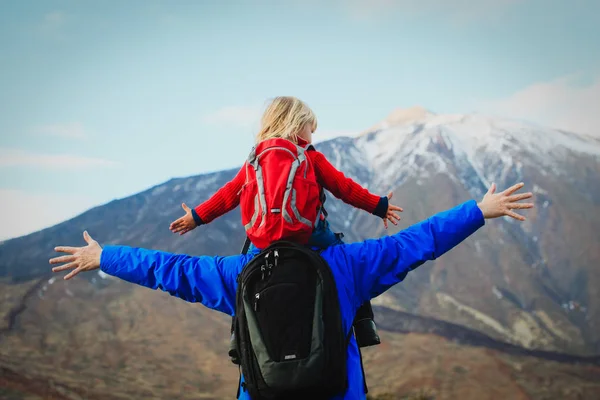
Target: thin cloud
53,22
324,135
564,103
22,158
456,10
20,211
234,116
73,130
249,117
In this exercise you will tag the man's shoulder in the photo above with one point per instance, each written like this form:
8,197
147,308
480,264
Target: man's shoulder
339,258
233,262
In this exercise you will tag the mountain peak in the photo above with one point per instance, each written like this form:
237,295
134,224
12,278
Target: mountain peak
402,116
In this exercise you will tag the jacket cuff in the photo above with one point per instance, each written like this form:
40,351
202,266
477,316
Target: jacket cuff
197,218
109,255
382,207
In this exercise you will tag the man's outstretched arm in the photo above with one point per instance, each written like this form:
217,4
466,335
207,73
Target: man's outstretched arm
209,280
378,264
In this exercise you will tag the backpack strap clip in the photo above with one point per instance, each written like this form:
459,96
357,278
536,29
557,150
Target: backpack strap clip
252,155
267,268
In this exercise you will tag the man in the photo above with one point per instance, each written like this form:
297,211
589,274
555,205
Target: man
361,270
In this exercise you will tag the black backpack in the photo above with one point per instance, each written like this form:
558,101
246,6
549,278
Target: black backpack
288,326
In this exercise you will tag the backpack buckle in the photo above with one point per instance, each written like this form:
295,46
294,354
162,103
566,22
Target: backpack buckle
268,266
263,267
252,155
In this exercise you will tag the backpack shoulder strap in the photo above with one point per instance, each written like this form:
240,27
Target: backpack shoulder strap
361,365
246,246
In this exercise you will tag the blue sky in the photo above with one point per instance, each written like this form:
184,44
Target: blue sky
100,100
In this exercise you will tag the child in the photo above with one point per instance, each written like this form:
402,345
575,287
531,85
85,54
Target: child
291,119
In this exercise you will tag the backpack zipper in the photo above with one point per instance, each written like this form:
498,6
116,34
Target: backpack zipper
256,298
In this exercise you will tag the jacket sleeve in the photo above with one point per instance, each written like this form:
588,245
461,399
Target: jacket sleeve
345,189
378,264
208,280
224,200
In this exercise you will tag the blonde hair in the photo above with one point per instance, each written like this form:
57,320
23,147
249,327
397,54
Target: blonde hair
284,118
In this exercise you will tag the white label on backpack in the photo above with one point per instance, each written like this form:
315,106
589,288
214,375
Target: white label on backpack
290,357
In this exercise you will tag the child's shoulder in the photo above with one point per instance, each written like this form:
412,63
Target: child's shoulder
318,158
312,152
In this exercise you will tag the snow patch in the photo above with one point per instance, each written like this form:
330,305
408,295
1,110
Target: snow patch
539,190
573,305
204,183
497,292
444,298
232,225
159,190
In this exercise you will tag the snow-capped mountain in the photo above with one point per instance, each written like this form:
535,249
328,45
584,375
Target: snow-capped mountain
535,283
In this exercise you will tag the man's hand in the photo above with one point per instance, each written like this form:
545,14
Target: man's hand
85,258
185,223
501,204
391,215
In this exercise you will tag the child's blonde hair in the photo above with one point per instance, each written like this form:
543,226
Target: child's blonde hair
284,118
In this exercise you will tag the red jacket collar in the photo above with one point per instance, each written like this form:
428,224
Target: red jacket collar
302,142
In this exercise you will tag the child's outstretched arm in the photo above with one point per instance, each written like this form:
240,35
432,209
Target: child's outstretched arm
350,192
224,200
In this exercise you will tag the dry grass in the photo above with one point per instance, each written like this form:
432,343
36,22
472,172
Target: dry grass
126,342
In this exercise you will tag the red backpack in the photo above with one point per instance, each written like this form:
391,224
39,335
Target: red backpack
281,198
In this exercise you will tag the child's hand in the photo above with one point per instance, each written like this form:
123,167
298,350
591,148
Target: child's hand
391,215
185,223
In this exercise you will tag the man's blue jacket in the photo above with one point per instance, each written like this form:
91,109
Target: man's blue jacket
362,270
